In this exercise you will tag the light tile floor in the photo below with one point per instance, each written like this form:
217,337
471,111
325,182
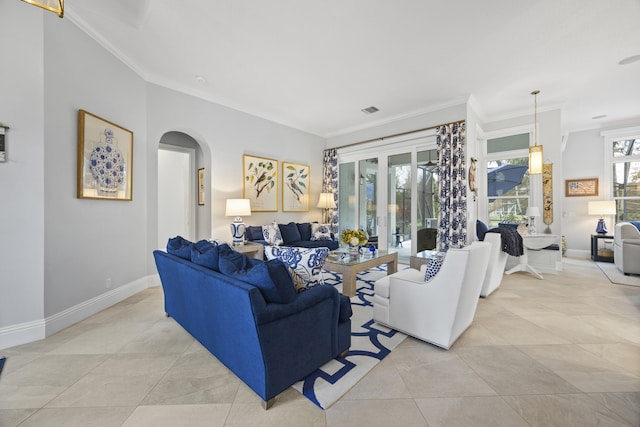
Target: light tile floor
563,351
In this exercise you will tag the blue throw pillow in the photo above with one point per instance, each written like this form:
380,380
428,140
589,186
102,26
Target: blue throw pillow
305,264
206,254
289,232
259,274
179,246
481,229
320,232
254,232
636,224
435,262
305,231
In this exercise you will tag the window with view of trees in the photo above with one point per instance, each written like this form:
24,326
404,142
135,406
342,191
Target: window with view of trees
507,179
625,163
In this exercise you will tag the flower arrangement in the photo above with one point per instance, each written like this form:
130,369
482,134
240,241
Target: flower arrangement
353,237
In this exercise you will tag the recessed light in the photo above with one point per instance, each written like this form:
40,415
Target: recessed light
630,60
370,110
601,116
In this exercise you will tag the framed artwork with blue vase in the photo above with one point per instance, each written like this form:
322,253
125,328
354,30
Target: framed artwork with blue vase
105,159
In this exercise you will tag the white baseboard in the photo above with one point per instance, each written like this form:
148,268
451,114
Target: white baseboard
11,336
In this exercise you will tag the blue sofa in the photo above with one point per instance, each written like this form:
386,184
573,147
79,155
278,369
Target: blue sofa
266,333
293,234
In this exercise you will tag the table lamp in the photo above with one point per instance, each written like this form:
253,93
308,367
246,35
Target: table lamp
532,213
326,202
601,208
238,208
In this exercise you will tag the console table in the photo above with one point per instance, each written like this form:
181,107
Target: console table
533,242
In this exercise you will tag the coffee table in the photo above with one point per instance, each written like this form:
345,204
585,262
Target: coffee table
350,267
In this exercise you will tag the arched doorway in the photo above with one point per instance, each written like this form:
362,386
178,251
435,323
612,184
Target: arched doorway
179,159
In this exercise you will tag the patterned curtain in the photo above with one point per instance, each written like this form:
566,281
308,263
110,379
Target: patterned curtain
330,184
452,215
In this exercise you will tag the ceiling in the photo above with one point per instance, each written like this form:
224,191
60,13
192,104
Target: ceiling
315,65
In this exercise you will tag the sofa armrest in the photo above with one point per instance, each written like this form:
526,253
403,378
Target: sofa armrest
312,296
634,242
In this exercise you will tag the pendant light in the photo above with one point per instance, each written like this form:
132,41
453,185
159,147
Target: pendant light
535,150
55,6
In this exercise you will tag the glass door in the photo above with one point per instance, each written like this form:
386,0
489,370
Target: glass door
427,200
368,198
399,201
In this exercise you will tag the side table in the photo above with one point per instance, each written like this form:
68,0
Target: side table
596,253
256,250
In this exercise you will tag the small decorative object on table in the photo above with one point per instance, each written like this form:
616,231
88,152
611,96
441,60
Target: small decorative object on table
353,238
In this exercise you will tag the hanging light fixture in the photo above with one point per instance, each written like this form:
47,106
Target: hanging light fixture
535,150
55,6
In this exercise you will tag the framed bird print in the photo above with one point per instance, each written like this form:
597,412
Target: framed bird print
259,183
295,187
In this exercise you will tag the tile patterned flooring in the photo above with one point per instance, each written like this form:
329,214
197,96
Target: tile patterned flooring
563,351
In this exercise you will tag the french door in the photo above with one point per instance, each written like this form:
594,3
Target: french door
391,193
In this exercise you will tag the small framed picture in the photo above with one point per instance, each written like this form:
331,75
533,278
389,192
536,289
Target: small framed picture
295,187
105,159
201,187
581,187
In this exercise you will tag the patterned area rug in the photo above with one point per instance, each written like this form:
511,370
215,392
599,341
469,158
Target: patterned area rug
370,343
615,276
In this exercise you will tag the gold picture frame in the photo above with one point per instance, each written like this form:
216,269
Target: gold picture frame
201,187
260,183
295,187
581,187
105,159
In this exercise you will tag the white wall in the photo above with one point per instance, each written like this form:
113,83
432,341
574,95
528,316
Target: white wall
22,176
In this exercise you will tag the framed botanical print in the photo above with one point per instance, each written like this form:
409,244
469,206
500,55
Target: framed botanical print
295,187
105,159
259,182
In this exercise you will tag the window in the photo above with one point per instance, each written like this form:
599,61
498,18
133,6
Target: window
508,186
625,177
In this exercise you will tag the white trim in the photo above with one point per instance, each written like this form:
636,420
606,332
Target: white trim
22,333
622,133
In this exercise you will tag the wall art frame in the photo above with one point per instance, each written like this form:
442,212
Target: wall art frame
105,159
581,187
295,187
260,182
201,187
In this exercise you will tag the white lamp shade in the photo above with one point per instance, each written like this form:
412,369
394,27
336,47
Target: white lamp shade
326,201
601,208
532,211
238,207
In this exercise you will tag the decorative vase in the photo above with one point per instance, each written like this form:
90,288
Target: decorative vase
354,251
107,165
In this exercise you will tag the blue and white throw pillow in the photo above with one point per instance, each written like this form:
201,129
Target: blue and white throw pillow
272,235
305,264
320,232
435,262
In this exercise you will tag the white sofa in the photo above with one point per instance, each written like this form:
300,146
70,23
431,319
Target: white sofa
497,262
626,248
440,310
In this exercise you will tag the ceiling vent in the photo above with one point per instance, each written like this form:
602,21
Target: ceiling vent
369,110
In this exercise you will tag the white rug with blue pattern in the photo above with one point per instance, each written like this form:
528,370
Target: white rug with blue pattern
370,343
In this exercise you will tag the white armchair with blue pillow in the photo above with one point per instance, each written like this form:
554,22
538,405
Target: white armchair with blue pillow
626,247
441,308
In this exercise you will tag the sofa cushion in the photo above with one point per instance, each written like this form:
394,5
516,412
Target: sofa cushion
272,279
206,254
305,263
481,229
254,232
271,234
345,309
636,224
289,232
305,231
320,232
179,246
433,267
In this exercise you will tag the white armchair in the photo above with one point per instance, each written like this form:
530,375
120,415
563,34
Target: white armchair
440,310
497,262
626,248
